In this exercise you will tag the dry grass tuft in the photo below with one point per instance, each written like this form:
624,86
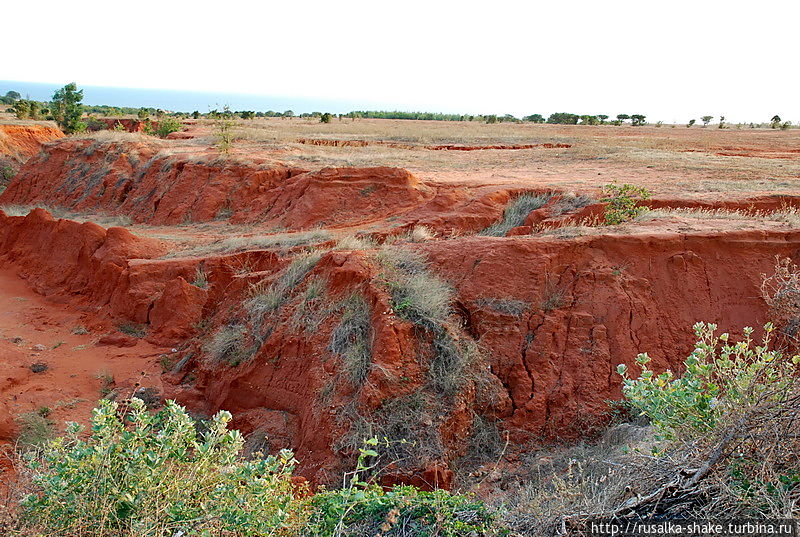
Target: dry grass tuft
515,214
228,344
255,242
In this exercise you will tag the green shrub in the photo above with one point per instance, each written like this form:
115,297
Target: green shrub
401,511
223,125
623,202
168,125
515,213
730,417
67,108
720,379
143,474
363,508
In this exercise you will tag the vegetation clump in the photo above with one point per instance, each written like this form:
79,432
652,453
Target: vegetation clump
228,344
352,339
67,109
623,202
730,416
167,126
266,298
157,474
141,474
515,213
223,125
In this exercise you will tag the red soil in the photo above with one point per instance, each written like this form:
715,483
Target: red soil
554,317
137,180
442,147
24,141
129,125
552,367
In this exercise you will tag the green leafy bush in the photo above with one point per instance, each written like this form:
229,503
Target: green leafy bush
67,108
623,202
363,508
143,474
167,126
400,511
720,379
727,426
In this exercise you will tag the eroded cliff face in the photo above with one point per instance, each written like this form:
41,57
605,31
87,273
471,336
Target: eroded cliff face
557,317
327,355
150,183
21,142
18,143
552,318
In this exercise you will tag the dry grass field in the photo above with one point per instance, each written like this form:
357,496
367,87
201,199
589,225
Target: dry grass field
670,160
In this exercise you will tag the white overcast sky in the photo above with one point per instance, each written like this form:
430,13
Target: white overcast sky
671,60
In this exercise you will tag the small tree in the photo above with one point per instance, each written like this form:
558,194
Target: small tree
775,122
325,118
721,122
223,129
691,122
21,108
195,115
603,118
534,118
67,108
706,120
622,117
637,120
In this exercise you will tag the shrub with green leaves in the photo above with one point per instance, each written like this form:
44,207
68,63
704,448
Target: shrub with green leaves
67,108
731,418
623,202
362,508
168,125
142,474
400,511
721,379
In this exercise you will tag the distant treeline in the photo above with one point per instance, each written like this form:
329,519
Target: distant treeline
42,110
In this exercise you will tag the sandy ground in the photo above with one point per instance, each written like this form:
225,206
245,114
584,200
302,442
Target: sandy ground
36,333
